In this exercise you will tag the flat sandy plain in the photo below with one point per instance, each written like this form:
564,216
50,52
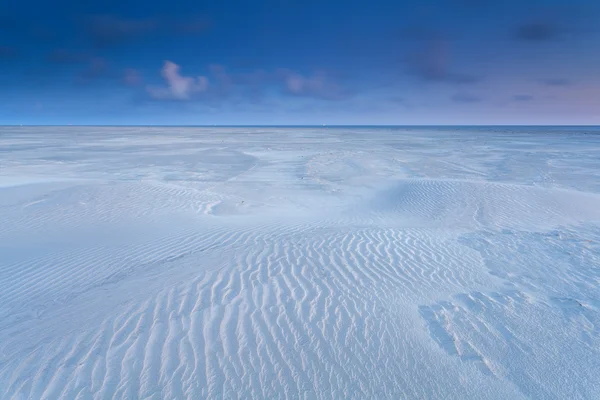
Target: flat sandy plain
268,263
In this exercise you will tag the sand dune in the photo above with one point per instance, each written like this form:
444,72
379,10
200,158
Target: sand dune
232,263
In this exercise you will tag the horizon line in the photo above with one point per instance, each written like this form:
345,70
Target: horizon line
299,125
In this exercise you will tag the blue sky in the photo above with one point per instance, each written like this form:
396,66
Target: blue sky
300,62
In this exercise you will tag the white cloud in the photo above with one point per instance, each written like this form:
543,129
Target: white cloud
248,85
178,87
317,85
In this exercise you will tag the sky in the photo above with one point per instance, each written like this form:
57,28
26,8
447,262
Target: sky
310,62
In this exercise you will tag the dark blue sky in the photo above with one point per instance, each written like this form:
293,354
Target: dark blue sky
300,62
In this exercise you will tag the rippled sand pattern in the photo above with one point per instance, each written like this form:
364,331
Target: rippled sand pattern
174,263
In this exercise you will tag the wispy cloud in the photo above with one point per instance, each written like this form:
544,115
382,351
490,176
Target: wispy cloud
178,86
318,85
252,86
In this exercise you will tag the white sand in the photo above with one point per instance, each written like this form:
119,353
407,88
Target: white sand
169,263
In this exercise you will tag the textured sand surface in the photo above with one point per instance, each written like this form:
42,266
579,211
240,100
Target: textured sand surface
170,263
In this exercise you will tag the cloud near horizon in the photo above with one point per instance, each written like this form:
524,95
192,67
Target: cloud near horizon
179,87
318,85
393,61
220,84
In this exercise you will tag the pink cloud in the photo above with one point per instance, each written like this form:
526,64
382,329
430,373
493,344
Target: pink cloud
252,85
318,85
178,87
